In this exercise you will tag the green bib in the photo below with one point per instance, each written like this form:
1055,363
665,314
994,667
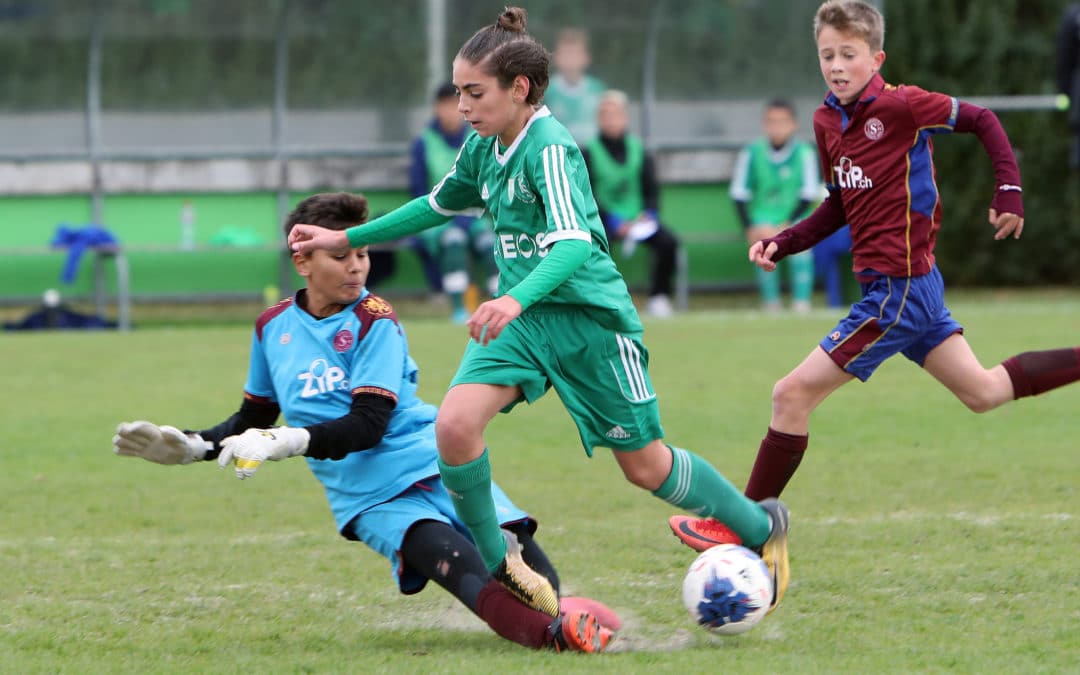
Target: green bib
617,186
777,186
439,156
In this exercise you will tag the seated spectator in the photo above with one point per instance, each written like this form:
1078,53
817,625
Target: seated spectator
624,183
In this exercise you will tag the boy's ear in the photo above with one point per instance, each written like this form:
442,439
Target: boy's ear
302,262
879,60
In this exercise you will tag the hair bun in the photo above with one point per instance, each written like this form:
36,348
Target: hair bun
512,19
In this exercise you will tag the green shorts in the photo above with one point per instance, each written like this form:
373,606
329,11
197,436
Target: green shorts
602,376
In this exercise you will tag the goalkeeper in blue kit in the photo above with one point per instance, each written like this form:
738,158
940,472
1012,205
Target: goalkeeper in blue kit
334,359
562,319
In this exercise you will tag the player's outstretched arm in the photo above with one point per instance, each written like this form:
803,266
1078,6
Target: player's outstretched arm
409,218
255,446
1006,212
159,444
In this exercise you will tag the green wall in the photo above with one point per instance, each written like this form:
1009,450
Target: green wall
149,225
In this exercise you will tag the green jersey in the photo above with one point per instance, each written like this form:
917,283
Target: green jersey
537,192
772,181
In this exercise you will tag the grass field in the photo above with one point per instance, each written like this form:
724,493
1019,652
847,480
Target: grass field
925,538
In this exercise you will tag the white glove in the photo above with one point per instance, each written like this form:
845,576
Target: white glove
161,445
255,446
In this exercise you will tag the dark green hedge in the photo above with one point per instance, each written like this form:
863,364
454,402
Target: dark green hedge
972,48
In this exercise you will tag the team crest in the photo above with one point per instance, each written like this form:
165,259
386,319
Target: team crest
285,338
834,336
874,128
376,306
518,187
343,339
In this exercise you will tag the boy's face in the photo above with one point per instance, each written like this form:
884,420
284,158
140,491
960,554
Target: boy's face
847,64
334,277
612,119
779,125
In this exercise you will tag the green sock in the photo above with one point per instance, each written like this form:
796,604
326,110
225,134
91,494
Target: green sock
801,269
457,301
469,486
694,485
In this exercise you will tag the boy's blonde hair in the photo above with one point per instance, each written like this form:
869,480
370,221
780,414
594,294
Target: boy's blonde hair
853,17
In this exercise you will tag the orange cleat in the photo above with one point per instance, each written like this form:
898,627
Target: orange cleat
701,534
579,631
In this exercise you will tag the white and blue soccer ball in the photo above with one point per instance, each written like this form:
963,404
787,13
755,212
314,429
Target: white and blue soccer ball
727,589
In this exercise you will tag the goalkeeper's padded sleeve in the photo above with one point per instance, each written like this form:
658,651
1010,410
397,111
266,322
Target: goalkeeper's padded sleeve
562,261
253,414
361,429
409,218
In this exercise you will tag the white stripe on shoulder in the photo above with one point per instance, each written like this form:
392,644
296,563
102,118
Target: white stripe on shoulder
555,186
549,182
569,200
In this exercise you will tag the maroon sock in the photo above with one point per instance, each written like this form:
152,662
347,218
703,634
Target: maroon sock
510,619
1033,373
777,459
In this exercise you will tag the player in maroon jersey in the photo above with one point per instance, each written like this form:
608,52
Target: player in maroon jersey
874,142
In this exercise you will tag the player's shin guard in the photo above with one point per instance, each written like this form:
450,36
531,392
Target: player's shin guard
694,485
1033,373
469,486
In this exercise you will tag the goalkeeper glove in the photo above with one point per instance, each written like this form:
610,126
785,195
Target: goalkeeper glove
255,446
161,445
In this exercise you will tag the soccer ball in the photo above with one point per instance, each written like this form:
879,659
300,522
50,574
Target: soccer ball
727,589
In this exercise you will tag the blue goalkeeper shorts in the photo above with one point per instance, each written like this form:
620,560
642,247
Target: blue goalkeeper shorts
383,527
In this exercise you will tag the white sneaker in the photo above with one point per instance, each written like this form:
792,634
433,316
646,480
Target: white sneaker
801,306
660,307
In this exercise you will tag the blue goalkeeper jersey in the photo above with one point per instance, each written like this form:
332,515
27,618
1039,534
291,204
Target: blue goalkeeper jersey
313,367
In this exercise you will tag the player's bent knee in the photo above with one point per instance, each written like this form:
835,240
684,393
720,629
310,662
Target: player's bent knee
646,468
452,431
980,402
643,476
788,396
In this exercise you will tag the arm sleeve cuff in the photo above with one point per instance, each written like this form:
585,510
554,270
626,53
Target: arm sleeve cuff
407,219
253,414
565,257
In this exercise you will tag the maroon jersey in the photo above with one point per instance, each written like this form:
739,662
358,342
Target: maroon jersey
880,160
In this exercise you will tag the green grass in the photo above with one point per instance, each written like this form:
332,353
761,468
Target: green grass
925,538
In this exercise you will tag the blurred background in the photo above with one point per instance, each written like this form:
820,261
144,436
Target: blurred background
186,129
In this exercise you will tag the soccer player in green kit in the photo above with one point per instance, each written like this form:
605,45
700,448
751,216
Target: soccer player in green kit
775,181
563,317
